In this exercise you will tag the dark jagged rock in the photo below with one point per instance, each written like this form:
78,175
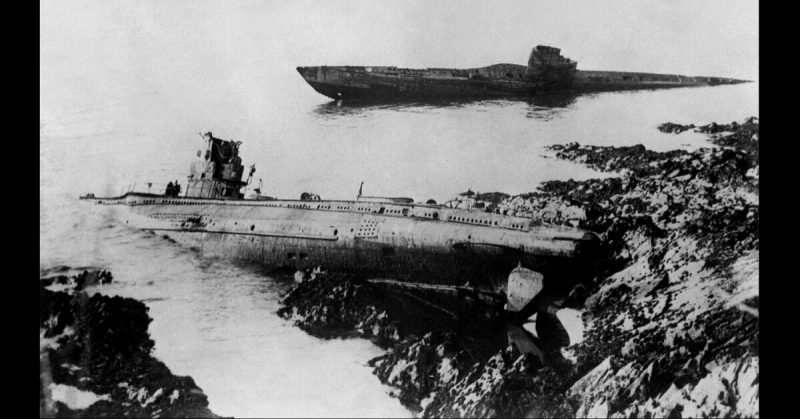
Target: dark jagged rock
709,194
419,367
509,384
491,198
678,316
333,305
88,278
99,346
672,128
78,282
428,351
741,136
671,318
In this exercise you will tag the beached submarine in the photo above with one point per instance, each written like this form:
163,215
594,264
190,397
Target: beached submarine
376,237
547,71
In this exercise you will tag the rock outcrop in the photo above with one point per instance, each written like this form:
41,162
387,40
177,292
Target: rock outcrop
332,305
95,357
671,320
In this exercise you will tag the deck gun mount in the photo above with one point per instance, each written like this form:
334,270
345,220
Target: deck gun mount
219,174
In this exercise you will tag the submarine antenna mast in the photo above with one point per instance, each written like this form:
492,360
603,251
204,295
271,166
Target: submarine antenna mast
249,177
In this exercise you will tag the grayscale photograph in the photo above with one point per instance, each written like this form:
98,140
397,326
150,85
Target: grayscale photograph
399,208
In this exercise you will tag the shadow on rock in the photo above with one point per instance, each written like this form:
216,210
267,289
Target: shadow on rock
95,358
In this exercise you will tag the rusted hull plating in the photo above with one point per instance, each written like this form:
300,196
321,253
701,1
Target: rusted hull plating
377,83
381,241
425,89
374,260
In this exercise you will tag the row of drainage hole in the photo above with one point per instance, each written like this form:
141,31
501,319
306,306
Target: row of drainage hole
479,221
302,206
451,218
387,211
162,215
390,211
306,206
470,220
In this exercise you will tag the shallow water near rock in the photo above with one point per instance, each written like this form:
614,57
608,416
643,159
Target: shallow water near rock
215,322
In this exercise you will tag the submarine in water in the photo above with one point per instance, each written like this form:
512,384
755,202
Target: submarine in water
547,72
377,237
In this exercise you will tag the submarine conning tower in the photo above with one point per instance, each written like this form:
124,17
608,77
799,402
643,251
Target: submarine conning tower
546,64
219,174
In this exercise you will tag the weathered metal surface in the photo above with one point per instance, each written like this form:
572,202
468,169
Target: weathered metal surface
547,71
421,242
377,237
219,174
523,286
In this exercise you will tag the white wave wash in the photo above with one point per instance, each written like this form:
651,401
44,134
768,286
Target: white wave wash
73,397
124,95
217,323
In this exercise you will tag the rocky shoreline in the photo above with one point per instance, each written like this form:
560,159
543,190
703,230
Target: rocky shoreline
95,356
671,320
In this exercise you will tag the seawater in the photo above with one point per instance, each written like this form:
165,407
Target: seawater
216,322
115,116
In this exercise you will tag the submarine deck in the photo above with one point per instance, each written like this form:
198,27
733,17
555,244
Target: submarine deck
499,80
430,242
420,211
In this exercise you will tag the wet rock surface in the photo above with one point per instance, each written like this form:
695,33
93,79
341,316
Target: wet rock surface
333,305
95,356
337,305
78,282
673,128
671,320
682,313
743,136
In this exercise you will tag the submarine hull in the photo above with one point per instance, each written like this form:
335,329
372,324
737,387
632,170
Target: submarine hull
407,242
390,83
344,84
487,270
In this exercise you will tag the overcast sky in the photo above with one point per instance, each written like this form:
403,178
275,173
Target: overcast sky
705,37
126,69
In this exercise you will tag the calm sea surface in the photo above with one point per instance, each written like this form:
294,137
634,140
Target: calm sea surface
216,322
120,123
